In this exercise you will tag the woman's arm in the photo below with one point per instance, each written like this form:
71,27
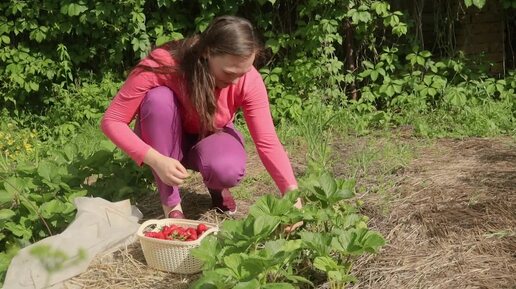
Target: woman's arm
121,111
126,104
255,105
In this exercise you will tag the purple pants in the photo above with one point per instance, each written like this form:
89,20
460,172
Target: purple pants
219,157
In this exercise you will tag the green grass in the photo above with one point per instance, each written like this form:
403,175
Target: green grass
260,183
375,161
380,156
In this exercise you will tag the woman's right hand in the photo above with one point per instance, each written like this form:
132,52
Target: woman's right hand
169,170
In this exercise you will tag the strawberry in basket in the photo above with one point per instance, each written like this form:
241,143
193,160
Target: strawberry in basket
178,233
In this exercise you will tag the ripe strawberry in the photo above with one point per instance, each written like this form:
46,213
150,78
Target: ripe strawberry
151,234
192,234
167,230
157,235
201,228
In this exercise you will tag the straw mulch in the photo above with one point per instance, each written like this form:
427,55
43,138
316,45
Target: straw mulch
451,222
449,219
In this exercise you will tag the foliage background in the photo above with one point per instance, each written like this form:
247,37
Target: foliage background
355,65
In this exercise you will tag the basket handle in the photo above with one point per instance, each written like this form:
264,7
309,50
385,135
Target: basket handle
144,225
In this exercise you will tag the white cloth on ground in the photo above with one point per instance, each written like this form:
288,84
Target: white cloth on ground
99,226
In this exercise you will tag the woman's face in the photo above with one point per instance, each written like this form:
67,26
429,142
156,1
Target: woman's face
227,69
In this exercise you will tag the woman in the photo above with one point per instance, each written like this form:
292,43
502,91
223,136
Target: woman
185,94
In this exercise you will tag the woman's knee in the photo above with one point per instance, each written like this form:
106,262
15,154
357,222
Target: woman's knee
224,173
160,100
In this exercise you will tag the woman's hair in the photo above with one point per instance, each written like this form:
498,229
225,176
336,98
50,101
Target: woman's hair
225,35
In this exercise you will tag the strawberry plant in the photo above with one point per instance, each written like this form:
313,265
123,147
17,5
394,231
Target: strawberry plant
257,252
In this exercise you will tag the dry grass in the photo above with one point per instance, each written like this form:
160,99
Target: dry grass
450,223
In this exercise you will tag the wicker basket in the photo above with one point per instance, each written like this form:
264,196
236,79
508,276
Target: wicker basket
170,255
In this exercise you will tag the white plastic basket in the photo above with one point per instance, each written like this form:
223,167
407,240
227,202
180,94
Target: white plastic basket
171,255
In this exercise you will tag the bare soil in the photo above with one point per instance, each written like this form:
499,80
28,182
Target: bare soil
449,219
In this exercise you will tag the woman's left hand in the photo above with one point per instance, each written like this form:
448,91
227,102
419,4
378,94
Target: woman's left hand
299,205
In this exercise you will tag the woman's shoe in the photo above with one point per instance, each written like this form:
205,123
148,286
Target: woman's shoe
176,214
223,201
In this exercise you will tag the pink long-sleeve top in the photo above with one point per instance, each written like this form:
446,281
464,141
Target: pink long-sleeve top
249,94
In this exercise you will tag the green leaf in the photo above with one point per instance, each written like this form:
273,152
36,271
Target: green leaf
6,214
273,44
270,205
233,262
34,86
31,206
390,90
176,36
46,170
328,184
39,34
297,279
6,197
265,225
5,39
207,251
326,264
70,150
162,40
400,29
14,186
479,3
374,75
99,158
18,230
335,275
350,220
426,53
345,242
282,246
276,286
368,64
316,241
346,189
420,60
243,267
252,267
380,7
247,285
230,228
339,276
373,241
364,16
75,9
210,280
52,208
329,191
